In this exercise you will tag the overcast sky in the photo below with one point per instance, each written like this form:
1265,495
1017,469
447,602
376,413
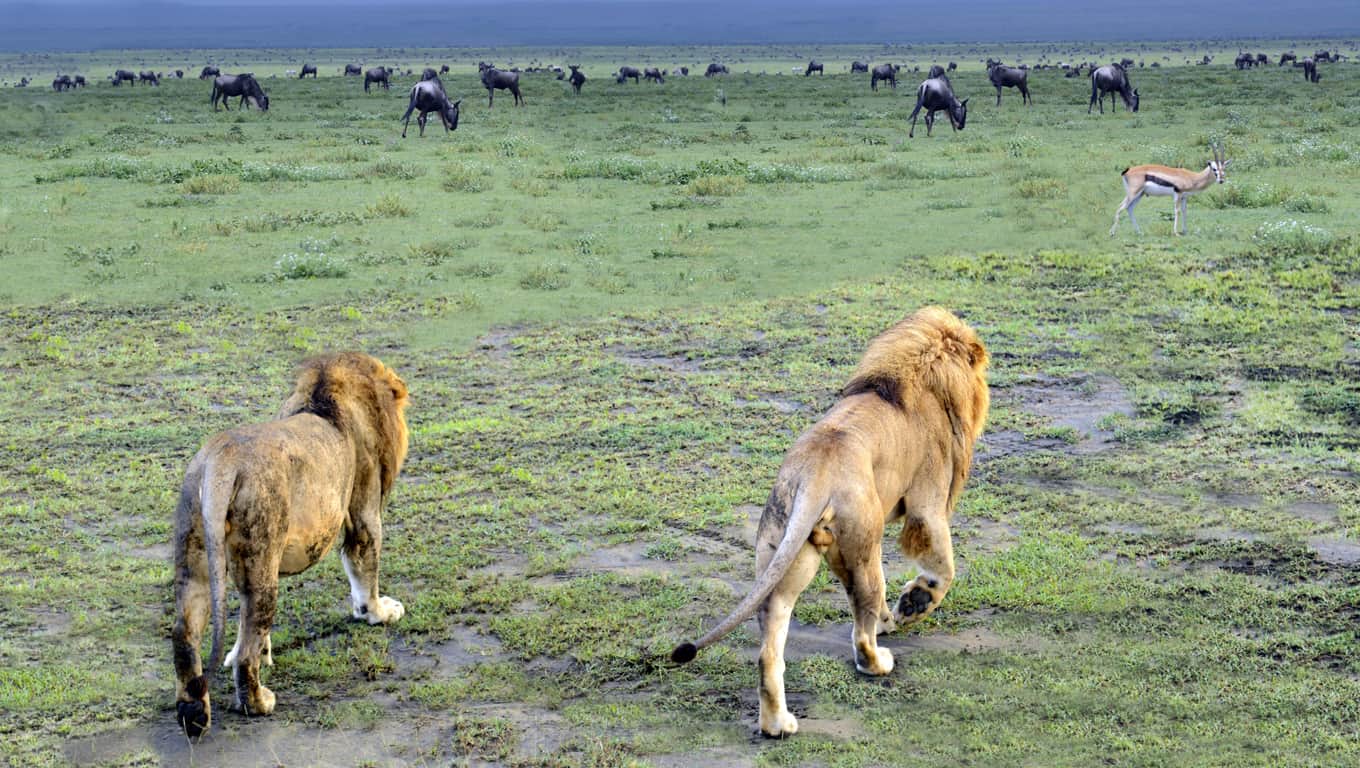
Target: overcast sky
87,24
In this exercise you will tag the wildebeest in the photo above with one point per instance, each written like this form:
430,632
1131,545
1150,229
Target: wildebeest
653,74
858,66
307,69
444,70
79,81
937,94
1010,77
1310,72
493,80
23,83
1325,57
626,72
209,71
1110,79
715,69
935,71
122,75
377,75
814,66
684,71
1126,63
243,85
1262,59
1243,61
62,82
1289,58
952,66
179,74
577,78
353,70
885,72
429,74
428,96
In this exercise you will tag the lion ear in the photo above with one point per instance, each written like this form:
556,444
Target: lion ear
399,391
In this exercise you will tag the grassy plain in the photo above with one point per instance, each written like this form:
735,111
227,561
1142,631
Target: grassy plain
615,312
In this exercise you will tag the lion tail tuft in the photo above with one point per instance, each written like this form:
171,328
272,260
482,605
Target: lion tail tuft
684,653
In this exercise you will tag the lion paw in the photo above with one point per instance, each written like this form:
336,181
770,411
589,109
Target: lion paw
918,600
781,725
882,663
263,703
389,610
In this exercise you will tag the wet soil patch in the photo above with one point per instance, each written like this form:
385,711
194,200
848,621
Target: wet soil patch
1080,403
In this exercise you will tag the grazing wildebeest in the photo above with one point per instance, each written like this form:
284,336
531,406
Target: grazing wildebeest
377,75
935,71
179,74
858,66
1110,79
429,74
444,70
653,74
1310,72
493,79
428,96
715,69
885,72
62,82
1324,57
353,70
577,78
79,81
1162,181
952,66
1289,58
626,72
209,71
243,85
814,66
307,69
684,71
121,75
23,83
1010,77
937,94
1243,61
1262,59
1126,63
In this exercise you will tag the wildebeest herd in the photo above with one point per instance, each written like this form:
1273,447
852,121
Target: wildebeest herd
934,94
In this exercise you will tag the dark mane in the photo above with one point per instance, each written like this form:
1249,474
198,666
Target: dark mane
889,389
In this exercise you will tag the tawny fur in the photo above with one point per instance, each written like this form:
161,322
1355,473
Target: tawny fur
897,446
271,499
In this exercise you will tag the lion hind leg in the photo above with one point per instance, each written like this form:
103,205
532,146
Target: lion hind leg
259,598
359,556
926,541
775,718
193,605
867,589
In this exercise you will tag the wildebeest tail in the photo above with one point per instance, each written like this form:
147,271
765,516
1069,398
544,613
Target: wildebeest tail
808,505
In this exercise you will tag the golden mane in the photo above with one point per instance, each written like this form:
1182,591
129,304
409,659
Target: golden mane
931,351
361,397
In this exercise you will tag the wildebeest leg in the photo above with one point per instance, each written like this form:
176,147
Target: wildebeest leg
406,118
998,95
490,97
421,120
519,99
930,121
1024,94
773,616
914,113
1090,106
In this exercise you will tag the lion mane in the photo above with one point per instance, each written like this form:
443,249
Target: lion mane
897,445
271,499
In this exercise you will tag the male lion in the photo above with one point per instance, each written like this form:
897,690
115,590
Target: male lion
897,445
270,499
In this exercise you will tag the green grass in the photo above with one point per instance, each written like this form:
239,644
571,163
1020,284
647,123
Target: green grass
615,313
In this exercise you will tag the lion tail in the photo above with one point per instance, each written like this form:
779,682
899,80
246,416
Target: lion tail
808,506
216,494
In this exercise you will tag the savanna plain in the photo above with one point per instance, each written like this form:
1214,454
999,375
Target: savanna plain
615,311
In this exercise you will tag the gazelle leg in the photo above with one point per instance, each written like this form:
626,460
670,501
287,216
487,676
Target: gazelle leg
1132,220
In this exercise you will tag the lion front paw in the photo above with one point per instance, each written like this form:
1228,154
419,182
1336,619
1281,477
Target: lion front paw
779,725
262,703
388,611
919,599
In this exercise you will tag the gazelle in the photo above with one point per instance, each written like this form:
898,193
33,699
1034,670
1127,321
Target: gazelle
1161,180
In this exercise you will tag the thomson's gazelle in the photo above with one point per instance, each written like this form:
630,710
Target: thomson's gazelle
1161,180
